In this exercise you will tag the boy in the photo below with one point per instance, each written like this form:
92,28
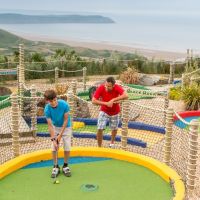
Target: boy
59,125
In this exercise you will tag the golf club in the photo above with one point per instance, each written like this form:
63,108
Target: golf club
56,181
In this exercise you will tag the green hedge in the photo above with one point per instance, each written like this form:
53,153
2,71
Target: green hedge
85,93
4,97
132,97
5,104
141,87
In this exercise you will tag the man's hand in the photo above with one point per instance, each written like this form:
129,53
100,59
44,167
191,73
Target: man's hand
110,103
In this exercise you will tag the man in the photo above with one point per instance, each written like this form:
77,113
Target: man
59,124
107,96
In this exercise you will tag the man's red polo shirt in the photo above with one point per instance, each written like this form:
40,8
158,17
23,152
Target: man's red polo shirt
104,95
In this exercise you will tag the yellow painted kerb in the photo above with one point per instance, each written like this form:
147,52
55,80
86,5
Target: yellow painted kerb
159,168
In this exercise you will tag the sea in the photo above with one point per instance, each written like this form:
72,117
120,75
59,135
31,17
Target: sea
168,31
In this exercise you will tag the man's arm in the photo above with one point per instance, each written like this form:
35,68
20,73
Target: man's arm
97,95
123,96
98,102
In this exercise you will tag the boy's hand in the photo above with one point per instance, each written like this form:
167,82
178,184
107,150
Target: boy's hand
59,138
56,144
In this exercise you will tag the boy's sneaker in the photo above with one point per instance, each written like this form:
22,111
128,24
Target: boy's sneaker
66,171
55,172
112,146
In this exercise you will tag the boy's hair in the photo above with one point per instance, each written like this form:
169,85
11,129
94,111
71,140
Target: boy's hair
50,95
111,80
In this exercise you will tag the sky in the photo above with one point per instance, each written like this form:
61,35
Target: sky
102,6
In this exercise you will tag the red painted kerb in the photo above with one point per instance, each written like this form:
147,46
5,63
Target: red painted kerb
185,114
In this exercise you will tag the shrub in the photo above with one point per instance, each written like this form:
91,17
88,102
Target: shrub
130,76
175,93
191,96
61,89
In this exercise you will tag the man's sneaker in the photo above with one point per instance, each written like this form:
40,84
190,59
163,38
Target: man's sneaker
112,146
66,171
55,172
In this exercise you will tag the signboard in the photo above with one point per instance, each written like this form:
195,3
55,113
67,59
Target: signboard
8,72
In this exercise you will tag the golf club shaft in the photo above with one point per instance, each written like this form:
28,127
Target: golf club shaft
56,162
56,156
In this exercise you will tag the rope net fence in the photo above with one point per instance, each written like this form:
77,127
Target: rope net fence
8,74
185,155
146,128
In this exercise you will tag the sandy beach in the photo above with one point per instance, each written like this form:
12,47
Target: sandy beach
149,53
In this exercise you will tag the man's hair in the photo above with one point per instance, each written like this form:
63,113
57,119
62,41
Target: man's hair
50,95
111,80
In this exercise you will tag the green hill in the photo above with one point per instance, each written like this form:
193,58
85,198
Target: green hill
12,18
9,40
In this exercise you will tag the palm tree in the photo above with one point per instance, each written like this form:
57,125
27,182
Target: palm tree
16,56
38,62
66,56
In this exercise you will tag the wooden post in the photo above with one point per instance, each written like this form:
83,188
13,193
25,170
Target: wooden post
191,59
74,90
33,111
70,99
166,105
21,77
187,61
171,76
62,67
192,155
15,125
168,135
183,81
21,63
21,98
56,75
125,119
18,79
84,78
74,86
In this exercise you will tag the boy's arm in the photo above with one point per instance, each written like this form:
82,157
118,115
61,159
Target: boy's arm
52,133
50,127
66,116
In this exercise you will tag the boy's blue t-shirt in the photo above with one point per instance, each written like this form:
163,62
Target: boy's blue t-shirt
57,114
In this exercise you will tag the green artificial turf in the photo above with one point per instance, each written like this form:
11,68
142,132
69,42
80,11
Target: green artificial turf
86,128
116,180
